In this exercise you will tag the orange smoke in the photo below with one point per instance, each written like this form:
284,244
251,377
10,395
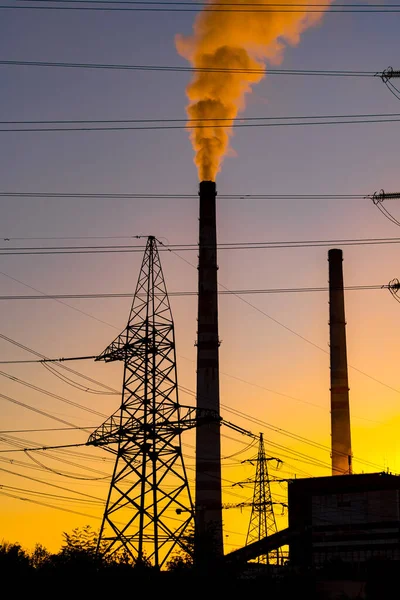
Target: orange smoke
239,40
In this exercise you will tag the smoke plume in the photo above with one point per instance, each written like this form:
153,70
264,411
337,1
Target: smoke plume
234,39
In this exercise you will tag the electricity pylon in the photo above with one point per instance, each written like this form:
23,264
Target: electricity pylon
149,505
262,518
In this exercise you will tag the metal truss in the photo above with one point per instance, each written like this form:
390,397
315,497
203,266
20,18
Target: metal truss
149,506
262,518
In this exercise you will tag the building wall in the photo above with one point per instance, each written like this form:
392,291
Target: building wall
351,518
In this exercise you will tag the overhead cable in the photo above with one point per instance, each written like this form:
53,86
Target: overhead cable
70,5
115,249
186,69
179,196
43,448
184,294
280,122
226,121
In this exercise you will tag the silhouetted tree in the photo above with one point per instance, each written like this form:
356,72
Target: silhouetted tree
80,547
13,559
82,539
78,551
182,560
40,557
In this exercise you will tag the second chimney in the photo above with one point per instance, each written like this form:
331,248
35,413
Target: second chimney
340,408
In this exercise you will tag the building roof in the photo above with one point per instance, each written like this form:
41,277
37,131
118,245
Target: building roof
344,483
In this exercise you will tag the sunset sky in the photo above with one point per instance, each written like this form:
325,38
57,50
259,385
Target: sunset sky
274,355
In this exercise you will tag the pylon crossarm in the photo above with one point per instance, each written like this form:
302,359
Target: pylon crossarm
255,506
107,433
111,432
195,417
239,429
239,505
120,349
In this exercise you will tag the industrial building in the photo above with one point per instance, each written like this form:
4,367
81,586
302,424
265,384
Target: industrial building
348,518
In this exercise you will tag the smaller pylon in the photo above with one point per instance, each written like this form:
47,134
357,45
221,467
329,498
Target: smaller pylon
262,518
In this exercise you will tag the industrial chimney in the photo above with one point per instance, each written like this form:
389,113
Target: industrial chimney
340,410
208,503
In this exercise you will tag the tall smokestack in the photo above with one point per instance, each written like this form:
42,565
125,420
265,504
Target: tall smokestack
340,409
209,541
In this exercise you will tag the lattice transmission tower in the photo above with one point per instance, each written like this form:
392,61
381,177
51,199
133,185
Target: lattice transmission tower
262,518
149,507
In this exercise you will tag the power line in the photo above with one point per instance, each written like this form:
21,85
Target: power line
345,120
298,335
41,361
285,432
193,293
196,121
47,505
73,383
302,337
163,196
70,238
254,307
187,69
188,391
113,249
51,496
203,3
36,410
61,365
6,431
53,455
291,435
52,395
306,456
227,374
250,418
20,445
69,475
43,448
112,390
48,483
74,308
69,5
53,360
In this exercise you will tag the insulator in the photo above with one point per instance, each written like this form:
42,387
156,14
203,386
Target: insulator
389,73
392,74
379,197
392,196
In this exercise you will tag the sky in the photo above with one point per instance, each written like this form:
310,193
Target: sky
274,352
